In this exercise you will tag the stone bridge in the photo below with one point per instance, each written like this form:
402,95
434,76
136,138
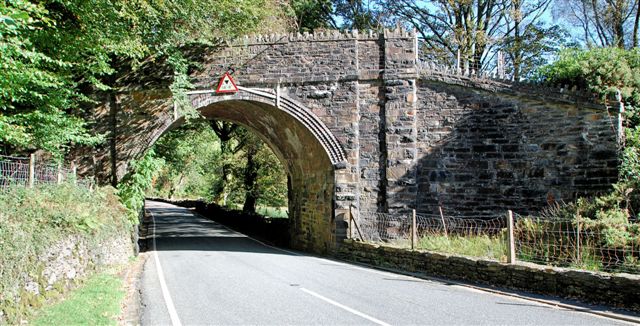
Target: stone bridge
357,120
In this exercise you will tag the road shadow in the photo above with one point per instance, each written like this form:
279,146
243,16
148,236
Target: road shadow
180,229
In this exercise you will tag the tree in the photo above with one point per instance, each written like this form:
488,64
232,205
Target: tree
313,14
528,42
252,166
602,23
192,158
37,88
225,132
57,54
359,14
450,29
250,172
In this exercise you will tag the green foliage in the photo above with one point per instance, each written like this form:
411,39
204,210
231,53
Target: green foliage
198,165
602,70
630,157
97,302
605,71
133,186
273,212
192,163
531,49
312,14
36,86
609,235
32,220
359,14
55,54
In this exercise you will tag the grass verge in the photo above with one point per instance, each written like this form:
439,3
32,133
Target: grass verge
35,225
97,302
273,212
476,246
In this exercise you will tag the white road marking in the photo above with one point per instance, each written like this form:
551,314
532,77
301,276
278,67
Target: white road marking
341,306
175,321
458,285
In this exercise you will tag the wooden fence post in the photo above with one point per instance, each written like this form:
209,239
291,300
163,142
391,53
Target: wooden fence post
355,223
350,228
74,172
59,173
414,231
511,257
578,255
32,170
444,225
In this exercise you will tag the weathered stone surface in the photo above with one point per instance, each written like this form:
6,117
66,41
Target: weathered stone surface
360,125
67,260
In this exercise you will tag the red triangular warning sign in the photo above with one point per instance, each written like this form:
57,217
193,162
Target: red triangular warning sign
226,84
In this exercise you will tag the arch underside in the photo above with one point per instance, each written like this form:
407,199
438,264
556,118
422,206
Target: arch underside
292,108
309,159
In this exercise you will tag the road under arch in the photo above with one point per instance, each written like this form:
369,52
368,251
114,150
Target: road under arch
305,147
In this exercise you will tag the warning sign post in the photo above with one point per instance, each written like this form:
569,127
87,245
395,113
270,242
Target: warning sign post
226,85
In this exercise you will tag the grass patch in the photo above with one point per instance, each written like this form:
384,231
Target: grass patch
274,212
97,302
474,245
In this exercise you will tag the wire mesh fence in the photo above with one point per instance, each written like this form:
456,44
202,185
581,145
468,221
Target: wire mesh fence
474,236
25,171
579,243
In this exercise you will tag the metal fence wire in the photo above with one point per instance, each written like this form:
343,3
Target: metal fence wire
385,227
579,243
15,171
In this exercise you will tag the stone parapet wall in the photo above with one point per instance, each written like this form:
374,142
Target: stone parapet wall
566,94
620,290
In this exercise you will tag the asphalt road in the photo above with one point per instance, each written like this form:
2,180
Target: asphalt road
202,273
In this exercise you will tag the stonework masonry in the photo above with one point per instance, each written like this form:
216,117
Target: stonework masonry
358,121
620,290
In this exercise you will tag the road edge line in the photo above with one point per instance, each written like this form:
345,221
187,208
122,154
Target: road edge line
171,309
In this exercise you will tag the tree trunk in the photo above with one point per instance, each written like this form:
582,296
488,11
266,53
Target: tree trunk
250,177
224,131
517,55
599,29
619,25
635,26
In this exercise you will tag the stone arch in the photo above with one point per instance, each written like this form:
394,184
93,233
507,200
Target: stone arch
309,151
293,108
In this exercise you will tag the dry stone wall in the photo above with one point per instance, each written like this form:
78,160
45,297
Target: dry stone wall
61,265
621,290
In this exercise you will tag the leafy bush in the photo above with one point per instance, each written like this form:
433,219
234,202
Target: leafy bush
602,70
133,186
606,71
